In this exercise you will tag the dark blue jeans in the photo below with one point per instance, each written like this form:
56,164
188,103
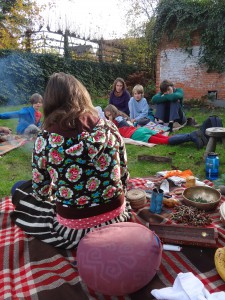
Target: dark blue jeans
170,111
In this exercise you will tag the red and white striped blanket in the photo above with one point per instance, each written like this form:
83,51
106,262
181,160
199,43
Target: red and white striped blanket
33,270
199,261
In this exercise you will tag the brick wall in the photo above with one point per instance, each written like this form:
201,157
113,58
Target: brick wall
182,69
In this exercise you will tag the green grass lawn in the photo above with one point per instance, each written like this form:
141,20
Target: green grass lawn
16,165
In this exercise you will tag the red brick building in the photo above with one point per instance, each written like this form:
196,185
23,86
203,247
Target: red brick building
177,65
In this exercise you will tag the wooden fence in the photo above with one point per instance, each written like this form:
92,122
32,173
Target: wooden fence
72,45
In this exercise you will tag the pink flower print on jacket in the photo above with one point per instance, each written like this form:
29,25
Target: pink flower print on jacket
115,175
109,192
76,149
65,192
92,184
82,200
42,161
40,144
53,174
37,176
45,191
111,141
73,173
99,136
92,151
84,135
55,156
103,162
55,139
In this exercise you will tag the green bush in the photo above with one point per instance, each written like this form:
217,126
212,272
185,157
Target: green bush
143,78
23,74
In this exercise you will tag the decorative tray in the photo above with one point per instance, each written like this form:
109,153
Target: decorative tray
186,235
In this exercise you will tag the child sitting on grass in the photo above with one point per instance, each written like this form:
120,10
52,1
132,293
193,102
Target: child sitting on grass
29,117
169,104
147,135
140,113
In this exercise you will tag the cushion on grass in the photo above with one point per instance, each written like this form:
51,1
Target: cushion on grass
119,259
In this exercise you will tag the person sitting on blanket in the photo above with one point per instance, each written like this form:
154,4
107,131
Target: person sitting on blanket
144,134
4,133
140,112
79,160
29,117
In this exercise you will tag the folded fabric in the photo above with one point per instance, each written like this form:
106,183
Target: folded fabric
186,287
216,296
176,176
183,174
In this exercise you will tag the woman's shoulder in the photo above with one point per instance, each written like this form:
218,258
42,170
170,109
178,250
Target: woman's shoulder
126,93
111,94
96,135
108,130
87,145
105,126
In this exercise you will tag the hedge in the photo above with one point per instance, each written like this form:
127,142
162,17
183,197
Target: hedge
22,74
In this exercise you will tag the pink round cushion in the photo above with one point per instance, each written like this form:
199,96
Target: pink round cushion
119,259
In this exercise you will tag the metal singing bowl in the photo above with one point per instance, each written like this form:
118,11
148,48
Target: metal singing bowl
211,195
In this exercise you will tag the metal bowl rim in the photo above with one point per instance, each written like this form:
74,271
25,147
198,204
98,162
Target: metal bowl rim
203,187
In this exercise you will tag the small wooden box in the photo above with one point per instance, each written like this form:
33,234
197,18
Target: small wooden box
186,235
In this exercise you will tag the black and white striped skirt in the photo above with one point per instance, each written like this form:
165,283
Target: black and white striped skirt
39,219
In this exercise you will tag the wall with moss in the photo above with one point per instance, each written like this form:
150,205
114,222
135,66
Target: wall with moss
183,68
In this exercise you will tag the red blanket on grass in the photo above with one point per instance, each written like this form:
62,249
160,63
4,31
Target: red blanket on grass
198,260
31,269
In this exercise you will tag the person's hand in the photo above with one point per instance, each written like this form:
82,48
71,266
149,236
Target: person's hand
5,130
169,91
133,120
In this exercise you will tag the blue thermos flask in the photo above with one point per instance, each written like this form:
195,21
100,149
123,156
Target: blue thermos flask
156,201
212,166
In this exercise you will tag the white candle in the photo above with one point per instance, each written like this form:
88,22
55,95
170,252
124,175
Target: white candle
171,247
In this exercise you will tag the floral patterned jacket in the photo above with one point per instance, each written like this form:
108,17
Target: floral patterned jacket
87,173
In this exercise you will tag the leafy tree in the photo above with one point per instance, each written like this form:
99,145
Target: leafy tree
180,19
140,18
139,13
5,7
17,18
